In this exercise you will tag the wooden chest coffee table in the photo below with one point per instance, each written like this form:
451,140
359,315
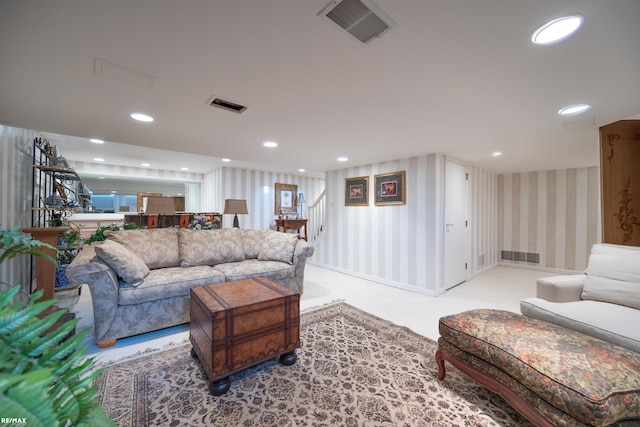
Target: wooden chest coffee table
235,325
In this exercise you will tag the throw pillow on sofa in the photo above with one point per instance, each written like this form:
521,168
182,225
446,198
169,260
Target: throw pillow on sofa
613,275
157,247
210,247
278,246
125,263
252,242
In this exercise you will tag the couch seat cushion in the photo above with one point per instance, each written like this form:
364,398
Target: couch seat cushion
168,283
590,379
157,247
210,247
274,270
614,323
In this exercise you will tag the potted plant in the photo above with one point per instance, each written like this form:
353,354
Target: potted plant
69,243
45,380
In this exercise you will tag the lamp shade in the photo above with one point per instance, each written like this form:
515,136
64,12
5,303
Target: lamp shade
301,198
235,206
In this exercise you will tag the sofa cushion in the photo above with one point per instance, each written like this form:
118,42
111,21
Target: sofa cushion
124,262
613,275
210,247
278,246
169,283
157,247
614,323
252,242
247,269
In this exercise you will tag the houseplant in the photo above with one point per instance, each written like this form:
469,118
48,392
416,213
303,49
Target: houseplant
45,380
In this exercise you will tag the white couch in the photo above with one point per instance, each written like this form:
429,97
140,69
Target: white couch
604,302
140,280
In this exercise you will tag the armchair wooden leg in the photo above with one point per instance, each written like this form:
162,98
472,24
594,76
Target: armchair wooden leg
106,343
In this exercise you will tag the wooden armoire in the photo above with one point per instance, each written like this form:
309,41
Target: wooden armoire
620,182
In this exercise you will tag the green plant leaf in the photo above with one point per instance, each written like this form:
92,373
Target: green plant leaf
24,396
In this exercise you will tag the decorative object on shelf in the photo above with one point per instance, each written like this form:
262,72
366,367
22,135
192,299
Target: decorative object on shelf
301,201
285,199
390,188
201,222
98,235
356,191
235,207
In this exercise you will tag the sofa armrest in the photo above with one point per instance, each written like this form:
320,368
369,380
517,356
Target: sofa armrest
561,288
303,251
87,268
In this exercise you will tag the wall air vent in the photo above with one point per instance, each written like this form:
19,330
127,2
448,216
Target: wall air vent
226,105
362,19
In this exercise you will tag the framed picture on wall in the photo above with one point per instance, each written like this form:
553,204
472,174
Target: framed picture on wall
286,198
356,191
389,188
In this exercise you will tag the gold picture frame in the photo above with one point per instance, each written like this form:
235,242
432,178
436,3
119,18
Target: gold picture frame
389,188
286,199
356,191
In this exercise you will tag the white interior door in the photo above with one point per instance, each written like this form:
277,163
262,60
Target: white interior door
455,228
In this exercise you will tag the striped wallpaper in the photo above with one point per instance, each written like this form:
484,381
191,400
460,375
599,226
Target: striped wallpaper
16,160
402,245
554,213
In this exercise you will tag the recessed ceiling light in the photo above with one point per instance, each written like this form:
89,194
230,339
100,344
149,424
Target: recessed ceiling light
343,159
270,144
301,170
101,177
141,117
184,169
113,191
226,160
97,159
496,153
557,29
145,164
574,109
96,141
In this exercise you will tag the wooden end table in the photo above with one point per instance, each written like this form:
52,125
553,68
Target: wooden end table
235,325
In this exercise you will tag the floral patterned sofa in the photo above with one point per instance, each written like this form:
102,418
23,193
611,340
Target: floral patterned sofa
140,279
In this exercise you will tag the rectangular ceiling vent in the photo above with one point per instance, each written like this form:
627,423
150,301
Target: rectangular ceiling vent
364,21
226,105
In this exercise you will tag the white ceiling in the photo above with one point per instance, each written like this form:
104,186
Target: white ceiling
458,77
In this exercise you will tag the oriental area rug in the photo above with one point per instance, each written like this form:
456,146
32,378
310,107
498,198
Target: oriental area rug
353,369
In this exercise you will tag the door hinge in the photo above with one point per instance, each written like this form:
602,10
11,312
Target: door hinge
466,223
466,177
465,266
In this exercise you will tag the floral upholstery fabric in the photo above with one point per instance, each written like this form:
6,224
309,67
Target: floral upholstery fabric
162,300
252,242
210,247
278,246
597,383
157,247
250,268
169,282
125,263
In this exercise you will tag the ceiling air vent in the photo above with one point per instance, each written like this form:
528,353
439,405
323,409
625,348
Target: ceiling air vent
363,21
226,105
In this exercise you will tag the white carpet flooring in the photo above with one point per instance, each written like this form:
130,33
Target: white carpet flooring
499,288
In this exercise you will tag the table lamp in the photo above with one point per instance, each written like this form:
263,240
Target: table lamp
235,206
301,201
